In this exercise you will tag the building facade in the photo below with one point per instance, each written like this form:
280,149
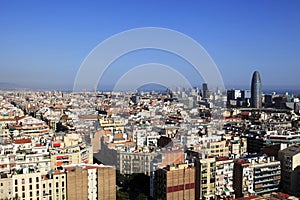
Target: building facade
175,182
256,91
91,182
256,175
290,169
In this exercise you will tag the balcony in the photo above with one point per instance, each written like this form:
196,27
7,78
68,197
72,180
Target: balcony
267,191
266,175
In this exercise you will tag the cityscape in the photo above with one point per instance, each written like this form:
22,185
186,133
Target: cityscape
150,145
140,100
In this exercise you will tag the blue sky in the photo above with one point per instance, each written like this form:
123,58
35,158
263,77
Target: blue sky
43,43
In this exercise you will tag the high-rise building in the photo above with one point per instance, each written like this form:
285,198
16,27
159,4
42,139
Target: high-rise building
204,90
238,98
256,91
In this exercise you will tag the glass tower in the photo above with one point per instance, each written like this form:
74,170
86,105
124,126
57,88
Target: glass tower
256,91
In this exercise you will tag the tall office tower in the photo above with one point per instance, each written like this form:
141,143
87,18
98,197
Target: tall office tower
256,91
204,90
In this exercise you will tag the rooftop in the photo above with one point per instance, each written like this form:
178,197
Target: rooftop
292,150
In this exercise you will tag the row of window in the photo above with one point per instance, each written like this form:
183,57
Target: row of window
30,180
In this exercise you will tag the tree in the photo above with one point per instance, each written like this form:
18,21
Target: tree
141,196
122,195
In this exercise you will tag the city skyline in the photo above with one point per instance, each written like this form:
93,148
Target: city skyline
40,41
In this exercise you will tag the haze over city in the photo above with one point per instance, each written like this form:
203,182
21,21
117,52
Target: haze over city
43,44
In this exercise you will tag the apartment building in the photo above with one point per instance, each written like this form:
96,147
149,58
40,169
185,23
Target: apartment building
54,185
6,186
207,180
70,149
290,169
175,182
22,153
27,186
91,182
256,175
130,162
224,178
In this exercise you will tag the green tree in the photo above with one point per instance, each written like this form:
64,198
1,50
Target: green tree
122,195
141,196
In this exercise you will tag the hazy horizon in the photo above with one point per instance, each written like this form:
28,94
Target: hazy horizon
43,44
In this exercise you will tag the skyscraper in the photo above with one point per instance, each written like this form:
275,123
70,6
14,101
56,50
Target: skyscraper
256,91
204,90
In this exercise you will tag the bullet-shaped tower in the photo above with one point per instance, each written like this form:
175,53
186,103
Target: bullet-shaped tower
256,91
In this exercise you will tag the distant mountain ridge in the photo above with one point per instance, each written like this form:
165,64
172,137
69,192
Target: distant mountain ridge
9,86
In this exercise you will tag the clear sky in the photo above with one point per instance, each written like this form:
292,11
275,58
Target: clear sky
43,43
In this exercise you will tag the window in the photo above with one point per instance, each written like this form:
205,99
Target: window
63,184
30,180
56,184
16,189
23,188
37,186
37,179
44,185
30,194
16,182
30,187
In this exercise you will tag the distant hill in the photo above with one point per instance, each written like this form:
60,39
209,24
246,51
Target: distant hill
9,86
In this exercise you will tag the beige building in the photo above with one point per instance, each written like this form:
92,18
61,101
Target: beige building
237,146
290,169
91,182
27,186
175,182
35,186
54,186
207,178
70,149
6,186
219,149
